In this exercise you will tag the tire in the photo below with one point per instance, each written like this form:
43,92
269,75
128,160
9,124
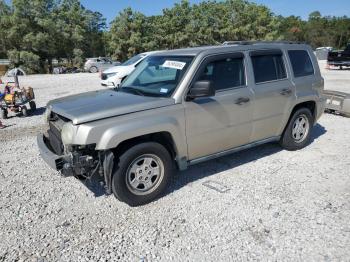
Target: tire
294,137
132,176
3,113
32,106
24,111
93,69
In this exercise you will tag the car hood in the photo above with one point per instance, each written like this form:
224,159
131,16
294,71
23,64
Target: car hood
98,105
118,69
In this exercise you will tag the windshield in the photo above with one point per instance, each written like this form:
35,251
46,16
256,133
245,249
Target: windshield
133,60
157,76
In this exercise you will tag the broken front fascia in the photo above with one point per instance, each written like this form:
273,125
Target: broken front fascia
82,161
87,166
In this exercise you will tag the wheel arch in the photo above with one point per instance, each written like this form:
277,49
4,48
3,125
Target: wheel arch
164,138
310,104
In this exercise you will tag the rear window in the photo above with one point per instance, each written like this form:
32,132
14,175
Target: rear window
301,63
268,67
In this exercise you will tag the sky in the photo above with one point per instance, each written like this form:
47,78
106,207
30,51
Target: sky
302,8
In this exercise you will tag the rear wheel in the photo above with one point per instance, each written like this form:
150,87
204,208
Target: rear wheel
24,111
3,113
298,131
32,106
142,174
93,69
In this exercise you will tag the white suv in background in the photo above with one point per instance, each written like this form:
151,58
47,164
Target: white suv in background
113,76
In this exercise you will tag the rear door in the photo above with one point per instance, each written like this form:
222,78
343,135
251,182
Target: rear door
223,121
274,93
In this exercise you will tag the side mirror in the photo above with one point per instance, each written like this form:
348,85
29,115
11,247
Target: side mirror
203,88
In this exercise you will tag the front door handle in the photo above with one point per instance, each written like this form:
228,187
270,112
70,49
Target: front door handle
242,100
286,92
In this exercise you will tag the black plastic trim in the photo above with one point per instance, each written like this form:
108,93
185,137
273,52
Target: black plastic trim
266,52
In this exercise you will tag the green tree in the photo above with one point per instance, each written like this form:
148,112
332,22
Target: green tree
50,29
291,28
34,32
4,24
317,30
174,26
127,34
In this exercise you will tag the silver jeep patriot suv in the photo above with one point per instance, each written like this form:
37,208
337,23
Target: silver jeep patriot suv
182,107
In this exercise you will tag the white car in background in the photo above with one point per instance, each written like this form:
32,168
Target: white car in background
113,76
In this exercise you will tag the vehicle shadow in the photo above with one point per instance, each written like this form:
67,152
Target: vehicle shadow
95,185
317,132
231,161
210,168
39,111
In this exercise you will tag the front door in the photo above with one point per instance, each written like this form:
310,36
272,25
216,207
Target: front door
223,121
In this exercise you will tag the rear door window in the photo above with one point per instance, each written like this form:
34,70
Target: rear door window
301,63
268,66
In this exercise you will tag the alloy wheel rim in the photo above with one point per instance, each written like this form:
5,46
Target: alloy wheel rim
145,174
300,128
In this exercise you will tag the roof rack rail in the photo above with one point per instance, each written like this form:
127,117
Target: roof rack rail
259,42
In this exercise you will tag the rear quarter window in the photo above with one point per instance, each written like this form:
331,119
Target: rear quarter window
301,63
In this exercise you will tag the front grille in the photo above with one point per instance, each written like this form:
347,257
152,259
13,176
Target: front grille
56,123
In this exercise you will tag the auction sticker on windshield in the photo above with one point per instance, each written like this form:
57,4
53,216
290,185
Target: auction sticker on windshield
174,64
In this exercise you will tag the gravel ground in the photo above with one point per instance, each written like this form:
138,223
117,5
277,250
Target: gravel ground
269,204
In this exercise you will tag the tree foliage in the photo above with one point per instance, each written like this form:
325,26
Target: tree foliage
184,25
34,32
318,30
212,22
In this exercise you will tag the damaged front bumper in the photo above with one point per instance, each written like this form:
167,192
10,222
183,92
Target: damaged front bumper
71,164
53,160
76,163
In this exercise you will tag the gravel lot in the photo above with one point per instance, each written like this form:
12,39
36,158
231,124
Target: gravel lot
276,205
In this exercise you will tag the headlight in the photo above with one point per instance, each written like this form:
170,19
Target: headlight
47,114
67,133
111,75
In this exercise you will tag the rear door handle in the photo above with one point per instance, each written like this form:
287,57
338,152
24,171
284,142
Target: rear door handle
242,100
286,92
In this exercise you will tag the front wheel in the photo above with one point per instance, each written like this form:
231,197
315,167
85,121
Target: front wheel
298,131
142,174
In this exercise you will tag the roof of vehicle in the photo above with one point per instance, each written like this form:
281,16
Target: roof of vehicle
101,57
149,53
229,45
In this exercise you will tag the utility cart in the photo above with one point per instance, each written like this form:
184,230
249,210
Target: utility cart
337,102
17,99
